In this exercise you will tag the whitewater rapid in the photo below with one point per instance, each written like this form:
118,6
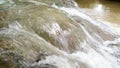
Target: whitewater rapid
94,52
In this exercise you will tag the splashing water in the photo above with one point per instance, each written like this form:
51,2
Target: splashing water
82,43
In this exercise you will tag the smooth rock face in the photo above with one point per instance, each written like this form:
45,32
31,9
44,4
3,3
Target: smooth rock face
28,29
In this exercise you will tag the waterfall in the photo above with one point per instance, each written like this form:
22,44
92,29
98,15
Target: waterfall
55,37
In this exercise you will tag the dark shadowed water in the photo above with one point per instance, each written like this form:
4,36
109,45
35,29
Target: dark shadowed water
102,10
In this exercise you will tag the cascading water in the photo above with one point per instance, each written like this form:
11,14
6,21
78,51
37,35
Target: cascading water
67,37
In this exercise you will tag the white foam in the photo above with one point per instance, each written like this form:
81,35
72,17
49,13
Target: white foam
116,41
77,12
58,61
37,3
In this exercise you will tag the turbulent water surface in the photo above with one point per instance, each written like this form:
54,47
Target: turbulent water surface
41,34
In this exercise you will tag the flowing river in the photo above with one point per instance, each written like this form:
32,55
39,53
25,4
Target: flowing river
59,34
105,11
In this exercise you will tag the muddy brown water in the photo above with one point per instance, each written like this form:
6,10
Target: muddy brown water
102,10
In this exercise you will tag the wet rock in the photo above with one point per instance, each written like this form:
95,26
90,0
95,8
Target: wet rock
10,59
66,3
50,23
2,18
42,55
44,66
6,63
29,29
19,42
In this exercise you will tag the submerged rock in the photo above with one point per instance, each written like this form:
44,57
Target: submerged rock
49,23
28,29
